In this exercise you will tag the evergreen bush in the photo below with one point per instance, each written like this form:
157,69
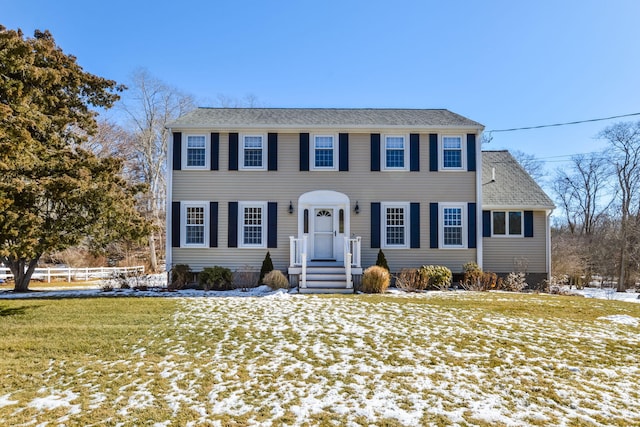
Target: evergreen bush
216,278
381,261
267,266
437,276
180,276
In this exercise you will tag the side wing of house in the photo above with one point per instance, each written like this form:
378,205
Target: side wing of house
515,219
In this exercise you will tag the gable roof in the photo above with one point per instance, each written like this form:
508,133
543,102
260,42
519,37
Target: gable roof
323,118
512,187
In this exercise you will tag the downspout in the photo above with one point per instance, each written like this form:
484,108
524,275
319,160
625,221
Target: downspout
168,212
548,231
479,251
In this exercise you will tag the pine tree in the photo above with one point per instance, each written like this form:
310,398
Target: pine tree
382,260
267,266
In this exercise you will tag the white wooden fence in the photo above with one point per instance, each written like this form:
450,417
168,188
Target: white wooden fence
69,274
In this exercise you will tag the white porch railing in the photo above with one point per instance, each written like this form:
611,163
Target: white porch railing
85,273
298,256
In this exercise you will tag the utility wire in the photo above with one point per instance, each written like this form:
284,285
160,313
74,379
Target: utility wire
563,124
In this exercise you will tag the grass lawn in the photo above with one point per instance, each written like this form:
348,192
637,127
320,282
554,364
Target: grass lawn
436,359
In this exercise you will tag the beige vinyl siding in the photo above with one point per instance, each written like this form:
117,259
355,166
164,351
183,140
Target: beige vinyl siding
288,183
504,254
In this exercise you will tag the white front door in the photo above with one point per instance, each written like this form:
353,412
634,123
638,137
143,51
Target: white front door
323,234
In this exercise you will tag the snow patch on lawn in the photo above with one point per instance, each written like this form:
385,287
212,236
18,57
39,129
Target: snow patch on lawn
623,319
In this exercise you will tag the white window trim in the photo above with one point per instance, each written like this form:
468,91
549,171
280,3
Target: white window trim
207,152
463,153
312,153
183,224
241,165
383,224
383,153
463,210
241,207
506,225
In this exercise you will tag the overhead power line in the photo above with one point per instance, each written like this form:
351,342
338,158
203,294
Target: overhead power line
563,124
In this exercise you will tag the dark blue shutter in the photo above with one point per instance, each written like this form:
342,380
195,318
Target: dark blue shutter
215,151
272,152
232,229
175,224
375,225
433,225
272,225
414,222
471,238
414,152
433,152
486,223
213,224
375,151
343,152
177,151
528,223
233,151
471,151
304,151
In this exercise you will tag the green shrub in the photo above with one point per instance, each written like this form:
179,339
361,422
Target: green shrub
410,280
216,278
180,276
437,276
267,266
381,261
275,279
375,280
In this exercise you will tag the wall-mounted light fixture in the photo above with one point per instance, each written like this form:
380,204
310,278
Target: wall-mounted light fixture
290,207
357,208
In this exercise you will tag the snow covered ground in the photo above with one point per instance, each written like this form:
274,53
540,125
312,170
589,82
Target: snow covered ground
283,359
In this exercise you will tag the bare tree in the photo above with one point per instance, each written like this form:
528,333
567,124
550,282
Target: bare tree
582,189
530,163
149,105
624,154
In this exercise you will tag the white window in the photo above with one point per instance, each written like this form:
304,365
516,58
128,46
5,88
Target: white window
194,152
324,153
452,152
395,225
453,225
252,223
395,153
194,224
252,152
507,223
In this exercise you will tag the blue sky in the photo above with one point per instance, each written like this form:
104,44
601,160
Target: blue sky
503,63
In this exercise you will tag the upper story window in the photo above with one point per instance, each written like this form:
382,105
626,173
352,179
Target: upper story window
395,153
453,226
196,152
452,152
252,225
507,223
395,225
324,152
252,153
194,224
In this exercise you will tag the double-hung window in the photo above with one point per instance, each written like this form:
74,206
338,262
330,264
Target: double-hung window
252,224
196,152
195,224
453,226
253,152
507,223
324,153
395,153
395,225
452,152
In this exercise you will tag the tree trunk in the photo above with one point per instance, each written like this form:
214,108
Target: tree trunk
153,260
623,258
22,277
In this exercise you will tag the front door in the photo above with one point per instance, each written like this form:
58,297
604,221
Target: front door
323,234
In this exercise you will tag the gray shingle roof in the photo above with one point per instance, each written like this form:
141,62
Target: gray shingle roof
513,186
322,117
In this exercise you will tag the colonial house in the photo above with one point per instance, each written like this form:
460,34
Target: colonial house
323,190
